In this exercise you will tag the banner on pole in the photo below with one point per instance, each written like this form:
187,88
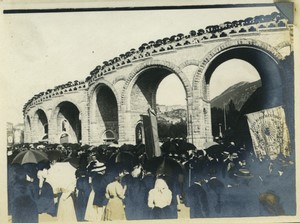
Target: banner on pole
151,134
269,133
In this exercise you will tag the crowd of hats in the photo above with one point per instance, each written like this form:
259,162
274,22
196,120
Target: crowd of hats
166,44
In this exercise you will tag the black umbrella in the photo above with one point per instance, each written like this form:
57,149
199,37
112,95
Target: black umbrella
125,159
127,147
74,161
184,147
30,156
215,150
169,147
164,166
54,155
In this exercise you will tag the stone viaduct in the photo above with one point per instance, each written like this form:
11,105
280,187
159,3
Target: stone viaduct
108,104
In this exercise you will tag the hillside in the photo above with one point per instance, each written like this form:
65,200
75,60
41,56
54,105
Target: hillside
238,93
173,116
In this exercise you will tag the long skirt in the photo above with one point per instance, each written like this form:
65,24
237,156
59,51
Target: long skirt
24,210
66,210
93,212
161,213
114,210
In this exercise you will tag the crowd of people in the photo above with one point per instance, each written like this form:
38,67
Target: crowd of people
104,183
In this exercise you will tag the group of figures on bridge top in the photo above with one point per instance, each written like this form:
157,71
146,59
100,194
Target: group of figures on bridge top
210,32
166,44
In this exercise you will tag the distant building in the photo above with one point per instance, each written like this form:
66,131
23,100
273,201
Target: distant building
167,108
10,134
19,133
15,134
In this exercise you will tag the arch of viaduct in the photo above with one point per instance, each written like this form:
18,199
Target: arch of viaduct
108,105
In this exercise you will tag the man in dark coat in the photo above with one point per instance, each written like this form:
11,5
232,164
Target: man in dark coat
45,201
196,199
84,189
134,195
24,208
148,181
215,191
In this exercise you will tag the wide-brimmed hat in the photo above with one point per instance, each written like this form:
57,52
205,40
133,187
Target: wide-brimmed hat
243,174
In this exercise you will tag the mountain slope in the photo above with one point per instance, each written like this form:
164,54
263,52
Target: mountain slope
238,93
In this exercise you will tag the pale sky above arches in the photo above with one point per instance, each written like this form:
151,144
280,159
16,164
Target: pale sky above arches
45,50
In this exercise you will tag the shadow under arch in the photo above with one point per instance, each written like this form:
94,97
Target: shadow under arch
260,55
67,118
139,93
40,121
275,77
153,64
104,111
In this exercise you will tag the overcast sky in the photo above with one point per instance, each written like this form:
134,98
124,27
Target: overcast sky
45,50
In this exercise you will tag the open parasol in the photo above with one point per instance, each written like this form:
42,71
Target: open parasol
30,156
125,159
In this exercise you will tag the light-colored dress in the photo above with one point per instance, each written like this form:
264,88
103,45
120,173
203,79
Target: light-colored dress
114,209
160,196
93,212
62,178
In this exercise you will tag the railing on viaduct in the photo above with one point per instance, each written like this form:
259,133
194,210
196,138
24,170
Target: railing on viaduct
250,25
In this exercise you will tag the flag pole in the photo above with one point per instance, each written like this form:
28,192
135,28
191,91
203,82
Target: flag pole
191,126
225,126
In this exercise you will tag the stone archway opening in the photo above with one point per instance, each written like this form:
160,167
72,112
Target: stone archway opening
148,88
104,115
231,86
41,126
171,108
68,123
266,94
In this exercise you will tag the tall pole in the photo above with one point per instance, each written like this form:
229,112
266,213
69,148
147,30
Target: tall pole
225,126
191,123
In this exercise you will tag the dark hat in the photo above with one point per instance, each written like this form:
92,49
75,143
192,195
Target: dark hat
80,173
43,165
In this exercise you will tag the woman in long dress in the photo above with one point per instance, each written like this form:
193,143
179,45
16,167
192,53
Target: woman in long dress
115,195
97,199
159,199
62,178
